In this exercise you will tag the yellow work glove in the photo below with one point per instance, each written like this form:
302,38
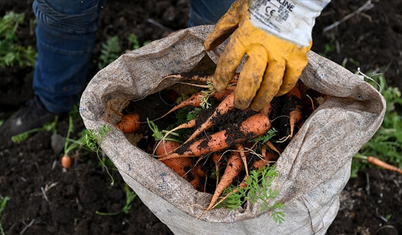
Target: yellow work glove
275,55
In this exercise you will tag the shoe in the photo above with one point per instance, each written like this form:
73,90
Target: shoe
31,116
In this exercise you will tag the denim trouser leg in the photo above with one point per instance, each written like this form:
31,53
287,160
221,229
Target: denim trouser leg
207,11
66,32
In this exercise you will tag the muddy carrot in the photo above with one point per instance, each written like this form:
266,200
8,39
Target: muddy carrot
253,126
273,147
217,160
184,167
258,164
293,98
224,107
209,78
233,168
188,124
242,153
196,99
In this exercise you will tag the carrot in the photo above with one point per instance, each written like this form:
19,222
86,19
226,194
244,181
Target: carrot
257,165
293,98
200,171
241,150
165,147
184,167
272,147
377,162
224,107
233,169
201,78
129,123
196,99
188,124
66,161
252,127
216,158
267,157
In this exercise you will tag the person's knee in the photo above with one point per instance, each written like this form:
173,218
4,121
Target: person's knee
68,16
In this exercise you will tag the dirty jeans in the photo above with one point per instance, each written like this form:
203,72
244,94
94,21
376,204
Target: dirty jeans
66,34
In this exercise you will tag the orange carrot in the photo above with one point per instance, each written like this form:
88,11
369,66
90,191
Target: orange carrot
293,97
272,147
188,124
200,171
224,107
209,78
129,123
233,169
377,162
195,100
265,160
241,150
66,161
257,165
184,167
217,159
252,127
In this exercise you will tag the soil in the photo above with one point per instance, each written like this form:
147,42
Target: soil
45,199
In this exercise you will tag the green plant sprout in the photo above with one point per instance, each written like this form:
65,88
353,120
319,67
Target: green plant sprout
133,41
11,52
111,49
258,187
159,135
110,52
3,202
93,140
71,144
261,140
51,126
130,196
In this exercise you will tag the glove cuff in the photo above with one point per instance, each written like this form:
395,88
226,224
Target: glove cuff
291,20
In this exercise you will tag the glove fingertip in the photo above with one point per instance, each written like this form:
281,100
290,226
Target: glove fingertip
241,104
219,85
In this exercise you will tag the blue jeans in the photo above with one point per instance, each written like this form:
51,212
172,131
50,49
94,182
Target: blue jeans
204,12
66,33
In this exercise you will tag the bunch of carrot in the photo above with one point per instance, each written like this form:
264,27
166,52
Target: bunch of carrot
222,145
225,143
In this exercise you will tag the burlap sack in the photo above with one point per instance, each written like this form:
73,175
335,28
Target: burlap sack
313,169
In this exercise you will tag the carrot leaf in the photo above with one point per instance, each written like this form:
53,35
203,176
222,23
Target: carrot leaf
93,140
206,94
267,136
159,135
257,189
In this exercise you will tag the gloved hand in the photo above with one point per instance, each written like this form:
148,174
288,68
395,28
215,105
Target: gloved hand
276,39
